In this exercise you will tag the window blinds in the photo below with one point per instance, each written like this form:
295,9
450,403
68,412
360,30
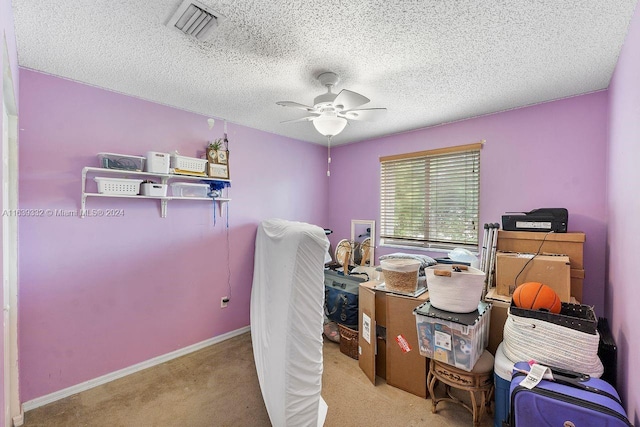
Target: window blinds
430,199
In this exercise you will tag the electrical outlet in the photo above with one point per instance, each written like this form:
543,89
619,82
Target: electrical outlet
224,301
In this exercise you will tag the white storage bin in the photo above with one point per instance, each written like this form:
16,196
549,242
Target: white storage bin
121,161
118,185
184,189
158,162
189,164
152,189
454,288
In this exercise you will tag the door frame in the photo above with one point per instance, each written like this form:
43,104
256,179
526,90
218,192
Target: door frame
13,414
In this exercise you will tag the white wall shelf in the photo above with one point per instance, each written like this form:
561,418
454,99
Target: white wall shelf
164,178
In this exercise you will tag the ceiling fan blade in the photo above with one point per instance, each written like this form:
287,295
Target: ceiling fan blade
295,105
346,100
303,119
365,114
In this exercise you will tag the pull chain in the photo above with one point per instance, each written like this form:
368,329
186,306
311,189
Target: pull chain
329,156
226,140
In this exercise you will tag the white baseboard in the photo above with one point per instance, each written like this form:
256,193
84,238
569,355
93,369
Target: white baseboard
18,420
61,394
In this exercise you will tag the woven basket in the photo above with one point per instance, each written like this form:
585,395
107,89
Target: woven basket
454,288
348,341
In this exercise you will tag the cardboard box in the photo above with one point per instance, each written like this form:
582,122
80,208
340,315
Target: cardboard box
499,311
577,277
570,244
513,269
404,367
457,339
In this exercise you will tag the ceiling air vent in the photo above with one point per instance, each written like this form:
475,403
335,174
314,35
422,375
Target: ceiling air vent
195,19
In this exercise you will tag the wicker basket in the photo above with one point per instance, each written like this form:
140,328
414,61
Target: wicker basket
348,341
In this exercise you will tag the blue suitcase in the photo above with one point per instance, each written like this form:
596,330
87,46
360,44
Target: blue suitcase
571,399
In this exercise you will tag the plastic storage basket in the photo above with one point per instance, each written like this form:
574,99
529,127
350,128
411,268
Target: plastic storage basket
158,162
121,161
188,164
578,317
154,190
184,189
456,339
118,186
400,275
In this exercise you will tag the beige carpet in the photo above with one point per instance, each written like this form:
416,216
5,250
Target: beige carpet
218,386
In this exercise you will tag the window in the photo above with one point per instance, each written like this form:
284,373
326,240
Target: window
430,198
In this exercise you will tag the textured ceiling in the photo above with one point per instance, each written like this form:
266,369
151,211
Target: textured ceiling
428,62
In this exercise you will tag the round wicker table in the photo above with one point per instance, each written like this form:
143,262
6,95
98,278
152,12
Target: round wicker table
478,381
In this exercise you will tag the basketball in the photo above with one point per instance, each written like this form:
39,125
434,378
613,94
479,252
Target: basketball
537,296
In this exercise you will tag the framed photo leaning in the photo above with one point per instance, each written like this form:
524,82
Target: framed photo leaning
218,171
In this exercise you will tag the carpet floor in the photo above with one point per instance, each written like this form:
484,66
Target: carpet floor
218,386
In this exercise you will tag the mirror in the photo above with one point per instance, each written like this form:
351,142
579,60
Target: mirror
363,241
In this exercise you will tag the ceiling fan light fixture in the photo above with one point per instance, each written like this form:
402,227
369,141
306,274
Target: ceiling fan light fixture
331,112
329,125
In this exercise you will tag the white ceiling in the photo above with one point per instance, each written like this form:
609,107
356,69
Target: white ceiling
428,62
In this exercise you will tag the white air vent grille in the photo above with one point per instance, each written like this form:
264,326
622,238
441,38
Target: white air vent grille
195,19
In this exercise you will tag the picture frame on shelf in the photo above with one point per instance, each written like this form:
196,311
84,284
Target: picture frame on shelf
217,170
218,156
223,157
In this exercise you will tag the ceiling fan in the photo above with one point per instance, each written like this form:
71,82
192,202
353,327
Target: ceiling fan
331,112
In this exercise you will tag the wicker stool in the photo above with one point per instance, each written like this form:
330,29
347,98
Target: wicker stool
479,380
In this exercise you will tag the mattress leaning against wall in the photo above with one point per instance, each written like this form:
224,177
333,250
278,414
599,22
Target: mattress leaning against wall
286,320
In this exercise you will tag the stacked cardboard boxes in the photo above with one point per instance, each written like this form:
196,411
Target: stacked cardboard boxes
569,244
554,248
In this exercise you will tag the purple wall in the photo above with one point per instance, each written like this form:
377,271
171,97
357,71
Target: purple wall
622,291
547,155
6,33
101,294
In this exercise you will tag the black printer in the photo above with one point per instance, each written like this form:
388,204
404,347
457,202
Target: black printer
543,219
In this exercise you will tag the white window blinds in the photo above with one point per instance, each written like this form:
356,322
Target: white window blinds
430,198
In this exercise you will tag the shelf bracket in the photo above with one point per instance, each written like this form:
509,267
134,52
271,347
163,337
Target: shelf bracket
83,201
83,204
163,204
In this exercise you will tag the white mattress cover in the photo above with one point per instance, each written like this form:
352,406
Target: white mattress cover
286,320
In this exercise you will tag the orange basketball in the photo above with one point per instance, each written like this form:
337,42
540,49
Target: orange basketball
537,296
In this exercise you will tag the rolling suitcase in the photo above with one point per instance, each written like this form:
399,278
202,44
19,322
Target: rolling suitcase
570,399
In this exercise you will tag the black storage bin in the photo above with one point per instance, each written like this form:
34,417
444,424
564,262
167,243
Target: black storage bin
578,317
607,352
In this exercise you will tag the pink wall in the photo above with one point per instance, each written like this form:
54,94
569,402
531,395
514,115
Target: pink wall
622,290
101,294
547,155
6,34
